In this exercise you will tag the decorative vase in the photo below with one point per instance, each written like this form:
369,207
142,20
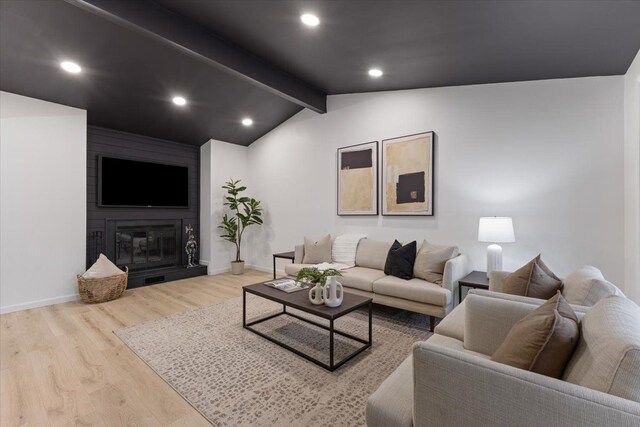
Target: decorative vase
315,295
332,293
237,267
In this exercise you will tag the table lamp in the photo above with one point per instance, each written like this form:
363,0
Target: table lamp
494,230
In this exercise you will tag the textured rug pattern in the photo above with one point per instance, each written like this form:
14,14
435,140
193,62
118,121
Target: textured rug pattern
236,378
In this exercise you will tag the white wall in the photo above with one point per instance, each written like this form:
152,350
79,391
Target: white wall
219,162
548,153
43,208
632,178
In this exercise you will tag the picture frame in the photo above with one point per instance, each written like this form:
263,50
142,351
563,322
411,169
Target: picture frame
408,175
357,180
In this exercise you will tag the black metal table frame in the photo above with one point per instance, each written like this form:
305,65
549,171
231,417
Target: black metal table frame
332,366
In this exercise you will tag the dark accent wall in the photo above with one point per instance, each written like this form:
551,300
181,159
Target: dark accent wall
115,143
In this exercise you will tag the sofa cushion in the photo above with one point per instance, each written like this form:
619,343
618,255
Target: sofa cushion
607,357
586,286
292,269
534,279
414,290
392,403
543,341
372,254
317,251
400,260
360,278
430,261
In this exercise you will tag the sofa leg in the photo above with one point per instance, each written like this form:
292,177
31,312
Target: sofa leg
432,323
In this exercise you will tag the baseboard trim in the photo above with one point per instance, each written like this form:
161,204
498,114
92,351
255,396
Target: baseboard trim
213,272
38,303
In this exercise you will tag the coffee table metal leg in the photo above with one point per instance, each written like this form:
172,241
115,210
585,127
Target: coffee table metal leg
331,344
370,323
274,268
244,308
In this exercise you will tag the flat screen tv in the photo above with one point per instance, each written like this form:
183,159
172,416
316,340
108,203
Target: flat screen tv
132,183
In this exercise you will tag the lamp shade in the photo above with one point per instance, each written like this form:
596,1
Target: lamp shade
496,229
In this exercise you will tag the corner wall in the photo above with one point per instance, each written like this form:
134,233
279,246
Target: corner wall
43,155
548,153
632,179
219,162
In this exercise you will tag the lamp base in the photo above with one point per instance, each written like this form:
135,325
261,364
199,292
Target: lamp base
494,258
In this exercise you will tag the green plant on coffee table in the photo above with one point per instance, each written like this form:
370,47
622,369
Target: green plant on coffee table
313,275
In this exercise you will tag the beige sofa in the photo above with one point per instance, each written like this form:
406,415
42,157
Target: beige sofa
451,381
368,278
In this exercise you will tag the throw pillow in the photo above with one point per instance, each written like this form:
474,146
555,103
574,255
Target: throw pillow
400,260
532,280
543,341
317,251
102,268
430,261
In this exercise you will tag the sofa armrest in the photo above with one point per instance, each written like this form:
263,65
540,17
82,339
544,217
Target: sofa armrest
298,254
496,280
454,270
454,388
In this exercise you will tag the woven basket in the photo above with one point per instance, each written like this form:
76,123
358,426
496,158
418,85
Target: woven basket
102,290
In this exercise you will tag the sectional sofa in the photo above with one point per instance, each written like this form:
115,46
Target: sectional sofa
368,278
450,381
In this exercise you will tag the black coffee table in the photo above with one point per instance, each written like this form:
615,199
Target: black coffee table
300,301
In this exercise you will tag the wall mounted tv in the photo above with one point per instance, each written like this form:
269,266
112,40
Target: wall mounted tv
132,183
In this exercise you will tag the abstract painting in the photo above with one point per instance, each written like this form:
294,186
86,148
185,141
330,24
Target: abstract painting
358,179
407,175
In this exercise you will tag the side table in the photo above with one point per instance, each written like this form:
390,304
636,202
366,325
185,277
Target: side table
475,280
285,255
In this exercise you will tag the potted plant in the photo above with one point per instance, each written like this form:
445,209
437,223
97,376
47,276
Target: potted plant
245,211
319,278
314,276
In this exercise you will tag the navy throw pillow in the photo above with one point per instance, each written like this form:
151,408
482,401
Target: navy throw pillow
400,260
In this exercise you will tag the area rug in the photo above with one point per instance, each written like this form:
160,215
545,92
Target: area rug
234,377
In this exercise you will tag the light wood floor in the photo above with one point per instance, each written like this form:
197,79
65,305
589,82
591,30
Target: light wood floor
61,365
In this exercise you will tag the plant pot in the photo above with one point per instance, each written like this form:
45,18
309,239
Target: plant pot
237,267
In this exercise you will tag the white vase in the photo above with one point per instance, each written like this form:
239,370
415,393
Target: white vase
315,295
332,292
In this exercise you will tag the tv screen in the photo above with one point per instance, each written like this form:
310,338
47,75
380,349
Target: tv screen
123,182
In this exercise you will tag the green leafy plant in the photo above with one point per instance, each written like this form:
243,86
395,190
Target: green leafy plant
245,211
313,275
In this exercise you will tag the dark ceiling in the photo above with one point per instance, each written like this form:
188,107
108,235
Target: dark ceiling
428,43
233,59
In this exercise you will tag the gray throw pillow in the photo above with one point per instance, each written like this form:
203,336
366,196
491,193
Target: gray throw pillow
317,251
430,261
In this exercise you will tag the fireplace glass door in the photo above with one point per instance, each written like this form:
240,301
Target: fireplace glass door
146,246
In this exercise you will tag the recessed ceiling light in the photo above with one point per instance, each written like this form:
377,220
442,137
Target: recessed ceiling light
178,100
310,20
247,121
375,72
70,67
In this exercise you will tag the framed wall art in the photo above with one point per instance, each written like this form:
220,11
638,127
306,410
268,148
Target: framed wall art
358,179
407,175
